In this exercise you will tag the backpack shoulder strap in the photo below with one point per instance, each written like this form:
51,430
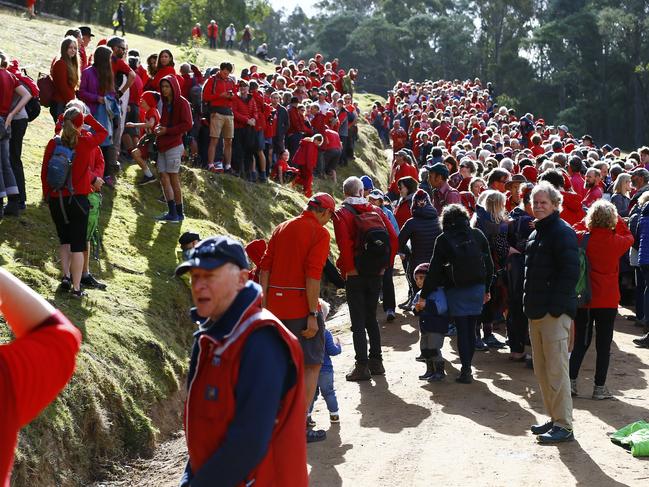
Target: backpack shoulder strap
583,244
353,210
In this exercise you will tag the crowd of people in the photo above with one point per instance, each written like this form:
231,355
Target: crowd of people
496,220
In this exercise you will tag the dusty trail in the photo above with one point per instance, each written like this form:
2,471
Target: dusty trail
397,430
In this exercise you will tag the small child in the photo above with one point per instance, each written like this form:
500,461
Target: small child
433,326
326,378
281,166
149,106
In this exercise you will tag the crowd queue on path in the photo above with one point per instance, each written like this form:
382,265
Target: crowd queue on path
501,224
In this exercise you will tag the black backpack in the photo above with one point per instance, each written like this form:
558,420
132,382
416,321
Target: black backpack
466,266
372,246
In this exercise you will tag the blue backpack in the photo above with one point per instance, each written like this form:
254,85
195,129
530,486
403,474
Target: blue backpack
59,171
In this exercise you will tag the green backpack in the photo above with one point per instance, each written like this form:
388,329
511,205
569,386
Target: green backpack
583,287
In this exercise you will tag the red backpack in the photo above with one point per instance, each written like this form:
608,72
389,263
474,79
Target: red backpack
46,88
372,249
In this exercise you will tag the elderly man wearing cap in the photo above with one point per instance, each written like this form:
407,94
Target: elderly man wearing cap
290,277
443,193
244,413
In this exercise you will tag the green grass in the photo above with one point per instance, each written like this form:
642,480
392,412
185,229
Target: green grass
136,334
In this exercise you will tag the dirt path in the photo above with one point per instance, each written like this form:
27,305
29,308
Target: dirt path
397,430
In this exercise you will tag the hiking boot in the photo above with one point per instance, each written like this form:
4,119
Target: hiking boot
376,366
452,331
334,418
465,377
146,180
601,392
262,177
556,435
315,435
12,208
360,372
440,373
168,218
643,341
89,281
110,181
215,168
573,387
480,346
253,177
309,422
541,429
492,342
66,284
430,370
390,315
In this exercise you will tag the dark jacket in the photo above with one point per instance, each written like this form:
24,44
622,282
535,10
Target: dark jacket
281,126
551,269
519,229
443,253
421,230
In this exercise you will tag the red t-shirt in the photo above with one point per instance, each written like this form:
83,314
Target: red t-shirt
297,250
8,84
135,91
119,66
33,370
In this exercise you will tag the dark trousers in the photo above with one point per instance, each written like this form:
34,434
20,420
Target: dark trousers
212,42
517,327
362,299
645,296
293,142
585,323
56,109
389,299
465,326
18,129
639,293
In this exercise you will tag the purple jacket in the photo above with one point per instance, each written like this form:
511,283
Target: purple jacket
89,89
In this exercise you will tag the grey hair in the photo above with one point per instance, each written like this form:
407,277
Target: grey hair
556,198
353,186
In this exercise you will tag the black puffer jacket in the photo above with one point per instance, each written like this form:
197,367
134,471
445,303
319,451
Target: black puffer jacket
421,229
551,269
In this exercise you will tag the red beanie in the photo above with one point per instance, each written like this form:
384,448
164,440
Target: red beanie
530,173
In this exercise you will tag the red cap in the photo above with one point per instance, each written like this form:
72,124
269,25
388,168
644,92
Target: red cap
322,200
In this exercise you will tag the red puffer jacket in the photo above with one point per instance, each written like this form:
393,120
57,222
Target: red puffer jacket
604,249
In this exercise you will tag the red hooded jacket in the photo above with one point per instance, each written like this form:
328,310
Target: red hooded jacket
604,249
178,121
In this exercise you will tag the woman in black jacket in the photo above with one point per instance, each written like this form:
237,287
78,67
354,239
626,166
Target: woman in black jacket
420,231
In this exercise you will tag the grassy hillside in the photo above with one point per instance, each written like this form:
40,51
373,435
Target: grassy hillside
136,334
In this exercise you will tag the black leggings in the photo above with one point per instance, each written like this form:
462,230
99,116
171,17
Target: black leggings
73,232
18,129
585,323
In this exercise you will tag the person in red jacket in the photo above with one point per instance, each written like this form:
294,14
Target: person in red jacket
246,142
593,187
212,33
245,413
35,366
261,121
175,122
196,32
401,167
407,188
572,210
398,136
331,150
306,159
66,76
164,68
70,210
297,127
362,290
606,238
218,92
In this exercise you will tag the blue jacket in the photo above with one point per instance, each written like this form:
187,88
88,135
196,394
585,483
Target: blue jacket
393,220
330,349
643,234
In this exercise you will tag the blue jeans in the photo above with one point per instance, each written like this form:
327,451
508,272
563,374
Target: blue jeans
326,388
7,180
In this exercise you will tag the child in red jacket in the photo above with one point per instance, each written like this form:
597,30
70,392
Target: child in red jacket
141,153
306,159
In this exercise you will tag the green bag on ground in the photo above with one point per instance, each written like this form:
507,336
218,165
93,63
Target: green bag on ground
92,232
634,436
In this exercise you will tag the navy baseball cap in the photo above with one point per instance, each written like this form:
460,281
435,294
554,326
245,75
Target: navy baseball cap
212,253
367,183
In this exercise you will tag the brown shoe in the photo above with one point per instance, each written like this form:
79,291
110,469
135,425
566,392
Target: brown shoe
360,372
376,366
